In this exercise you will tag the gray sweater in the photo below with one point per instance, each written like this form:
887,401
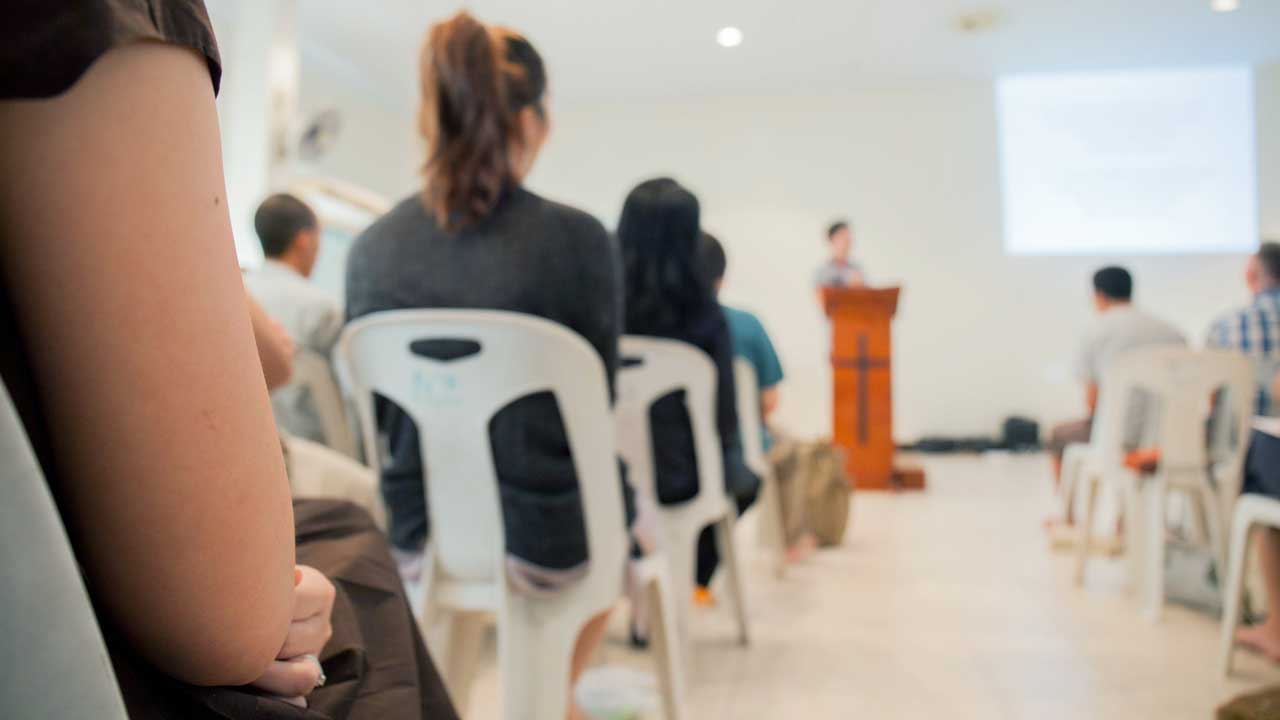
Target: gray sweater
531,256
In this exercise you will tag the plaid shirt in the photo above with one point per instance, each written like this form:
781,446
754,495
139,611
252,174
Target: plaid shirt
1254,331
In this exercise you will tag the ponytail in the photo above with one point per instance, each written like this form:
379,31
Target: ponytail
475,82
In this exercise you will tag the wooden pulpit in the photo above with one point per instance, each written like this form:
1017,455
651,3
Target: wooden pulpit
862,374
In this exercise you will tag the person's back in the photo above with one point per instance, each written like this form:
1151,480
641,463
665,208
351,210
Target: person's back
311,316
496,246
290,236
1121,330
529,256
669,296
1254,330
750,339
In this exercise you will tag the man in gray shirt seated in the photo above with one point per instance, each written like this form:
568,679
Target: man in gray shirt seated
1120,328
839,271
290,236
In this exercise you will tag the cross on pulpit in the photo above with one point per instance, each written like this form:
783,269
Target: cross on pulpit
863,363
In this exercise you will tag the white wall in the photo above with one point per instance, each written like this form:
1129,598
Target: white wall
980,335
378,146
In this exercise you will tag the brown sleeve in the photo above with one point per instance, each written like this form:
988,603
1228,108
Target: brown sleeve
46,46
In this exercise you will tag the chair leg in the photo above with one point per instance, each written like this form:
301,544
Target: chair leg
1086,526
681,551
534,659
1216,525
1233,592
1132,515
666,642
733,574
1153,546
461,638
773,524
1197,510
1072,464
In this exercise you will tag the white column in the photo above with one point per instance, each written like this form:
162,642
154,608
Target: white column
257,105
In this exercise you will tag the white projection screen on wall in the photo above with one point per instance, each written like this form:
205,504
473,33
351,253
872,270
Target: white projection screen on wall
1129,162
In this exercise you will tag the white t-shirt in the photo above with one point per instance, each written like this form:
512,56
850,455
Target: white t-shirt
1122,329
313,320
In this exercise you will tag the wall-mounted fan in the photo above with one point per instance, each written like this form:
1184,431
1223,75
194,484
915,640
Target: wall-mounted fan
319,135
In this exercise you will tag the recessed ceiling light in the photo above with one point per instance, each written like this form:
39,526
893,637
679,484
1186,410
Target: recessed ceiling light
1224,6
729,37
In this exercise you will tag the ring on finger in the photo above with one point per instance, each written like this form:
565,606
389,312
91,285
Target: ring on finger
322,678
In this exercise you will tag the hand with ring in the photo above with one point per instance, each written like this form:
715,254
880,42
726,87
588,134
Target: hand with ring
297,671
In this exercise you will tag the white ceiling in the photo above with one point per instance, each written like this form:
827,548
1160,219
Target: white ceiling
615,49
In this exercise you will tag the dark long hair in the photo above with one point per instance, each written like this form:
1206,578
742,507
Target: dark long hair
659,232
475,81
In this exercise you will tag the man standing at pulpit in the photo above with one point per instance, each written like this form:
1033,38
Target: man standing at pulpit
839,271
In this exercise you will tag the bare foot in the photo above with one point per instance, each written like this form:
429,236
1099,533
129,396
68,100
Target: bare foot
1053,522
801,549
1263,639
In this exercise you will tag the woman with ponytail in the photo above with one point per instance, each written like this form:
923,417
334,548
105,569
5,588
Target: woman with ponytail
475,237
668,295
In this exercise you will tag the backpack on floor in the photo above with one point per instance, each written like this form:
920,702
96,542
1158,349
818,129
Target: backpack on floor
1262,705
814,489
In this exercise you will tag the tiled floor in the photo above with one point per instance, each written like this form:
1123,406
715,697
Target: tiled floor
946,604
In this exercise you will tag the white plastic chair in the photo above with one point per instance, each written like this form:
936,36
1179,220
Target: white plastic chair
652,369
313,372
465,581
1181,383
1251,511
53,659
751,428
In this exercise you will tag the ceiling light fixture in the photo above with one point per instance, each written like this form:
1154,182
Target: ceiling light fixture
1224,6
729,37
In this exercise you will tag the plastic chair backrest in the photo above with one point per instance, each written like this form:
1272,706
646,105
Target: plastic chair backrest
53,661
651,369
1183,383
313,372
750,422
483,361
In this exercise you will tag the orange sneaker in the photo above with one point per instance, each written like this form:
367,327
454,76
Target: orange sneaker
703,598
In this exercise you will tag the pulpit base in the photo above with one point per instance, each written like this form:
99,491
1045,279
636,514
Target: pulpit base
903,479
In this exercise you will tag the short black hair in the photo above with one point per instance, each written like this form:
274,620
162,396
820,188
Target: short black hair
1114,282
279,220
1269,259
836,227
714,261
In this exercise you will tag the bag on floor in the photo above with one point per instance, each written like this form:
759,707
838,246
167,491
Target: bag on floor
830,494
1264,705
814,489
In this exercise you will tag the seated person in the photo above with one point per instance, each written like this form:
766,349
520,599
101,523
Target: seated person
669,296
1262,477
290,236
839,271
1255,329
751,342
475,237
174,423
1121,327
